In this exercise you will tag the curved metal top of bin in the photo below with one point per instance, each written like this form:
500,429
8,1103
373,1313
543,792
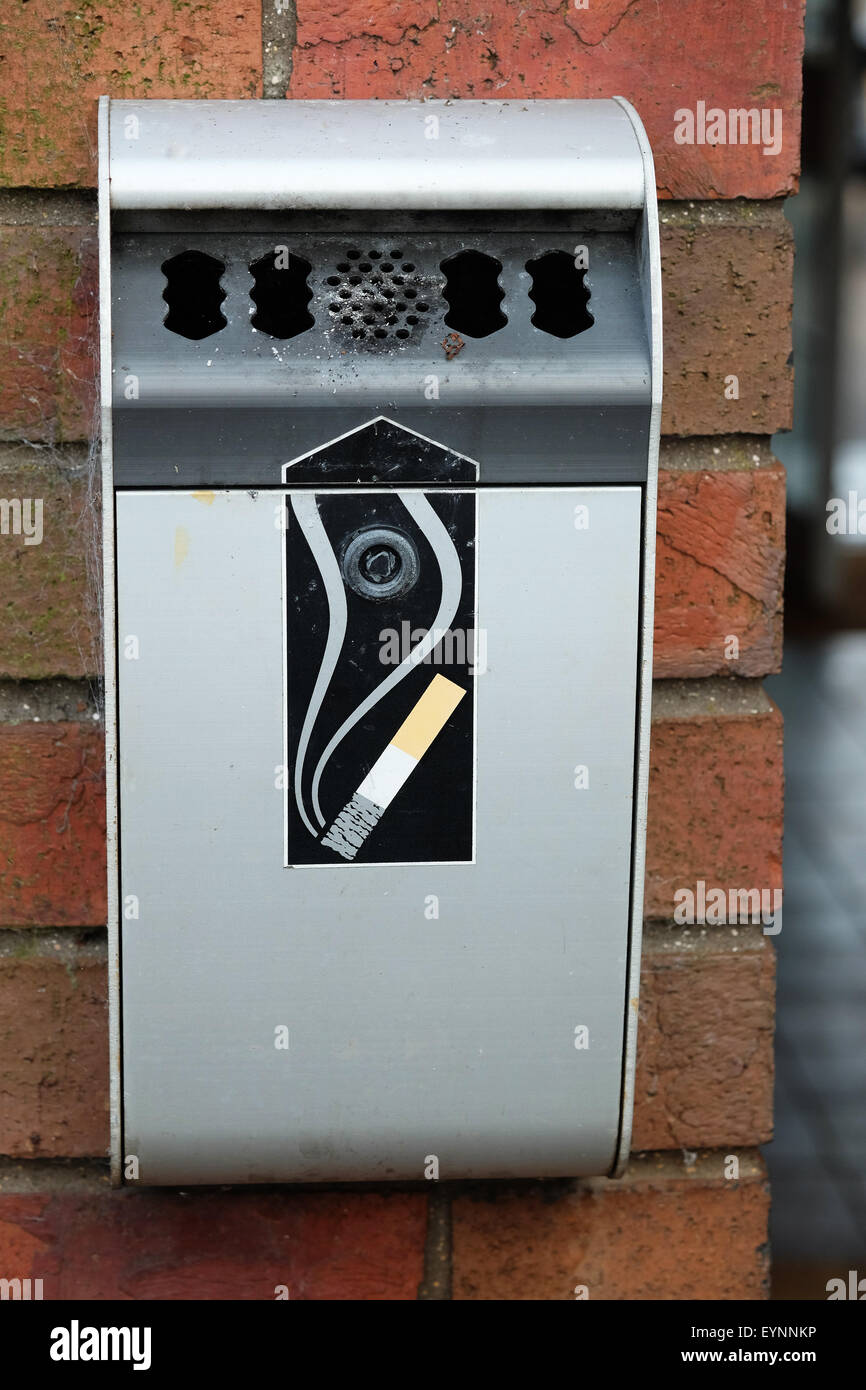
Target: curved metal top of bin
436,155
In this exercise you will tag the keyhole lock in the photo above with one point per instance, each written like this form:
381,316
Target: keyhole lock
380,563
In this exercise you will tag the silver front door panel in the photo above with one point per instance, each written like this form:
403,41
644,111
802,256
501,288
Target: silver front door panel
357,1021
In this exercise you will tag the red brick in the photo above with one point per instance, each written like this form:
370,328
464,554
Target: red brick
727,292
704,1046
58,57
48,303
728,56
664,1231
53,1046
49,614
705,1041
720,558
716,782
58,60
87,1242
52,825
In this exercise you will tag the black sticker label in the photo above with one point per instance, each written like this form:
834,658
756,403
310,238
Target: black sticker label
381,658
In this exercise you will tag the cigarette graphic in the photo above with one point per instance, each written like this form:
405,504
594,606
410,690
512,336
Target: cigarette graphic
387,775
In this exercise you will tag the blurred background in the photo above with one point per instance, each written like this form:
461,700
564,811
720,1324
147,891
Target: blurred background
818,1159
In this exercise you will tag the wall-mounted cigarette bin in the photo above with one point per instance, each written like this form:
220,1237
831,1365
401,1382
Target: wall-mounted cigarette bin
381,393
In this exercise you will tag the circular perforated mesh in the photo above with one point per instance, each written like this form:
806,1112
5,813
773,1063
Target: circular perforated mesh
377,295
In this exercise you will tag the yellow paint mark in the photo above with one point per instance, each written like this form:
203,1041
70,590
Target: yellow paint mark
423,723
207,497
181,545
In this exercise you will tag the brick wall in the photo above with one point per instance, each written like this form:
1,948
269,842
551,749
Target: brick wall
689,1218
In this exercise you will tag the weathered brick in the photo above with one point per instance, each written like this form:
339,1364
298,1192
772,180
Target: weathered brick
704,1047
53,1045
656,1233
58,57
49,613
716,783
48,353
52,824
87,1242
727,56
705,1041
726,295
726,291
57,60
720,558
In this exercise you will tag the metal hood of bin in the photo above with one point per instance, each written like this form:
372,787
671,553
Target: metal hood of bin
284,271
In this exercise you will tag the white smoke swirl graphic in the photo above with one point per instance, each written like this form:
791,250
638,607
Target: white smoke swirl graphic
451,575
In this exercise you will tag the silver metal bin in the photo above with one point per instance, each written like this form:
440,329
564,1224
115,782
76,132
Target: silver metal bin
381,393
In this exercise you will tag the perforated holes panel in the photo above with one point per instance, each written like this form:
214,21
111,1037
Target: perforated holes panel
378,295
